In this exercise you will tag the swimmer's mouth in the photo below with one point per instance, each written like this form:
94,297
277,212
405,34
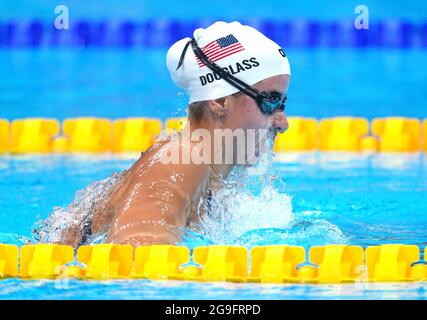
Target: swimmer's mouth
272,133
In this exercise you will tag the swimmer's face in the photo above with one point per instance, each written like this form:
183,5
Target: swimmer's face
241,111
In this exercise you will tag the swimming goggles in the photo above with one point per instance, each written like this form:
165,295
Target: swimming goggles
268,101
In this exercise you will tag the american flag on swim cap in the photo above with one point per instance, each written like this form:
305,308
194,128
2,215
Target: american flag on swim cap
221,48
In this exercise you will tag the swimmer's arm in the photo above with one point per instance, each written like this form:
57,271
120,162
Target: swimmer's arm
161,205
147,236
71,236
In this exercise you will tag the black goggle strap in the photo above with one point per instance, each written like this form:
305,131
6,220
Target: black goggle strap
181,59
235,82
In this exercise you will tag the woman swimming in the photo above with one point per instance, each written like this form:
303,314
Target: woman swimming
237,80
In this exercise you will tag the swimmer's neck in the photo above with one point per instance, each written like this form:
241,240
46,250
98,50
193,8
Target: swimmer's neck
218,169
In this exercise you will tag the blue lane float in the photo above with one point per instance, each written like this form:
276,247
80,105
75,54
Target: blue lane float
164,32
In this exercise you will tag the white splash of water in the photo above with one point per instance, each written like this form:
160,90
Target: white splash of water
79,212
249,200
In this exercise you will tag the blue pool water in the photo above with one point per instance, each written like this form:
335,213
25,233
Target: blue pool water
112,83
239,9
317,199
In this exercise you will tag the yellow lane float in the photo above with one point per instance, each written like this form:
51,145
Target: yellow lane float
135,134
337,263
391,262
44,260
397,134
302,135
99,135
222,263
425,135
8,261
269,264
33,135
88,134
343,133
4,135
276,263
106,261
160,261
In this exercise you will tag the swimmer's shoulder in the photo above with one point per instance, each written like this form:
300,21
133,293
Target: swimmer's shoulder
156,162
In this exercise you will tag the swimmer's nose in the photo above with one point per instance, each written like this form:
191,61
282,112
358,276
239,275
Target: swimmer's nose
280,122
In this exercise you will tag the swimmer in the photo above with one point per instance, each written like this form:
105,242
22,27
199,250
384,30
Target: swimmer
236,78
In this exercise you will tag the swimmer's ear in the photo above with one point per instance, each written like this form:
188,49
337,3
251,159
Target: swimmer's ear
217,107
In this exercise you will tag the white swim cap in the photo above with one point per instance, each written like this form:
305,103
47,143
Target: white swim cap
240,50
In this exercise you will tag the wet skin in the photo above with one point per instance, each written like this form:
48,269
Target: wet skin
153,200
